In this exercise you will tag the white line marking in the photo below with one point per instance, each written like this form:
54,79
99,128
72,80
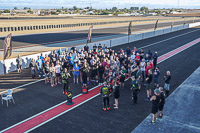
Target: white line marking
45,110
66,101
99,93
170,38
23,85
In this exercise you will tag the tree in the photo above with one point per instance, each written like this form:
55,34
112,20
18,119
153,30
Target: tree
144,9
30,11
25,8
15,8
114,9
75,8
6,11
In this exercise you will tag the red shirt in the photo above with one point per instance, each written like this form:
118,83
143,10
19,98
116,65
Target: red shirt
147,69
137,58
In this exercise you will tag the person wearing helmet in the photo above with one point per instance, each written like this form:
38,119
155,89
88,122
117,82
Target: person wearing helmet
105,92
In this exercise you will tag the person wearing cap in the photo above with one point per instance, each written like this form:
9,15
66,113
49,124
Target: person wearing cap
155,102
155,58
105,92
162,102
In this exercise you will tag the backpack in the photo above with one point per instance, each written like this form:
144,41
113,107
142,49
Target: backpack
105,91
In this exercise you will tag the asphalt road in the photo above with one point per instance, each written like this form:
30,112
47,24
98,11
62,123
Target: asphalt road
89,117
75,35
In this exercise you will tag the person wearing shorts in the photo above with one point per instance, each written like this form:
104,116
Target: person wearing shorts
58,75
155,102
148,83
162,102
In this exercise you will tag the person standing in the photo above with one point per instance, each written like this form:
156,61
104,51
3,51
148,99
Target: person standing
58,72
100,71
32,65
86,48
65,80
116,95
155,102
76,73
47,72
143,66
155,58
19,64
148,83
105,92
167,83
156,76
134,89
53,75
162,102
39,66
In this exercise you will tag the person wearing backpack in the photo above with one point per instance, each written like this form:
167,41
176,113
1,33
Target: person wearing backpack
105,92
134,89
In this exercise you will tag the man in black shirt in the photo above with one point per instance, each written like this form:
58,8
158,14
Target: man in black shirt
162,101
167,82
86,48
148,84
95,47
155,102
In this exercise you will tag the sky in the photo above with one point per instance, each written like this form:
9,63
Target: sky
99,4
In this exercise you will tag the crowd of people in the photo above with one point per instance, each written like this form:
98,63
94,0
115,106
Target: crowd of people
107,67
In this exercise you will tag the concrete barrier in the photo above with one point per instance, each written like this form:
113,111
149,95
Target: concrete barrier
168,30
194,25
11,63
158,32
148,34
119,41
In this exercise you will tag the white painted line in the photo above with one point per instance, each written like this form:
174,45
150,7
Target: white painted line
23,85
170,38
66,100
62,113
45,111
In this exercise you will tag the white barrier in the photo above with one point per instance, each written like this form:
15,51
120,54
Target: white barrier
168,30
194,25
158,32
11,64
136,37
119,41
148,35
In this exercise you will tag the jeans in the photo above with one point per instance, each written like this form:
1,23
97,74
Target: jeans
40,70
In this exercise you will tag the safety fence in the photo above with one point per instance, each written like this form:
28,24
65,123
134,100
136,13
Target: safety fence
10,65
44,27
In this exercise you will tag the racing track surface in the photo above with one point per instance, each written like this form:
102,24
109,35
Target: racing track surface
89,117
76,35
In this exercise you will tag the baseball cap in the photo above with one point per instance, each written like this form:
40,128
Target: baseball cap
157,91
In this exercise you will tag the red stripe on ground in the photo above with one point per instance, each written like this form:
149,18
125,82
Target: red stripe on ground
165,56
61,108
51,113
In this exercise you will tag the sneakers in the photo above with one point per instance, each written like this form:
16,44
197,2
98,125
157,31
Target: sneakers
77,83
39,76
74,83
115,107
156,118
63,92
153,121
104,109
108,108
66,93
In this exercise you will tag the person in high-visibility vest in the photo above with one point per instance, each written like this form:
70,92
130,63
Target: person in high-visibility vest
105,92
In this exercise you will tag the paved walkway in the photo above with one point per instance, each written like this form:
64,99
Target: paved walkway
181,112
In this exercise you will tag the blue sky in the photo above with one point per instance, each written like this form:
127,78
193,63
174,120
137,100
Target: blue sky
5,4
